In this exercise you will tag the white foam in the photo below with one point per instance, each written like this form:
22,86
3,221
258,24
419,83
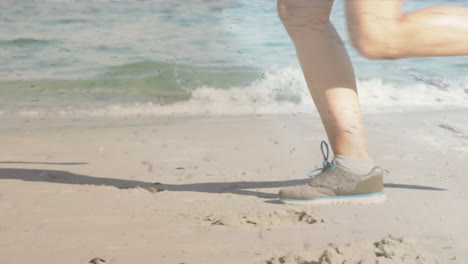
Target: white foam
280,91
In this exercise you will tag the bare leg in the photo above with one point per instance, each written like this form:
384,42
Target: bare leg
379,30
328,72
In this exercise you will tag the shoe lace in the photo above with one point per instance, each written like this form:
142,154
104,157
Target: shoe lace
326,163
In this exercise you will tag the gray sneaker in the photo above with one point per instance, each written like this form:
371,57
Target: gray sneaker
334,184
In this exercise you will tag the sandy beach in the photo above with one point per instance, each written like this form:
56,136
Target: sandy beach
141,132
204,190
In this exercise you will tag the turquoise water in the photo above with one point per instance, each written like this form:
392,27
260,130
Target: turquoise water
189,57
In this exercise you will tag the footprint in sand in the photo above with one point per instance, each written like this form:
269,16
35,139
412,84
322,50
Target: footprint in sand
457,132
290,258
450,128
148,164
264,219
153,189
150,189
389,250
97,261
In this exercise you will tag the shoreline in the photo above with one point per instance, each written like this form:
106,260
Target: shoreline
42,120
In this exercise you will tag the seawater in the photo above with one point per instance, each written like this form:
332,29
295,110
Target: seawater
162,57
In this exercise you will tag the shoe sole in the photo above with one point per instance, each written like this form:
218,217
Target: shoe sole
371,198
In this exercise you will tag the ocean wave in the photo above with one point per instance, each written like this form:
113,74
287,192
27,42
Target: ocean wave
280,91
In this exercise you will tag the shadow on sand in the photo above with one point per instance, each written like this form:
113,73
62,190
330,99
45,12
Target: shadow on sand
251,188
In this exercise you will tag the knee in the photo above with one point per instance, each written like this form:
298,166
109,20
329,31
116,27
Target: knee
381,44
376,49
304,13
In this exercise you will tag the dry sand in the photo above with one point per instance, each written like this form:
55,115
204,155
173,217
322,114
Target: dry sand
203,190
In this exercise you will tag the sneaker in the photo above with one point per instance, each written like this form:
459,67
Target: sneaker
334,184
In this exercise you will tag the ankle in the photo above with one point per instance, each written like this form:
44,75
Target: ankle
354,154
355,164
